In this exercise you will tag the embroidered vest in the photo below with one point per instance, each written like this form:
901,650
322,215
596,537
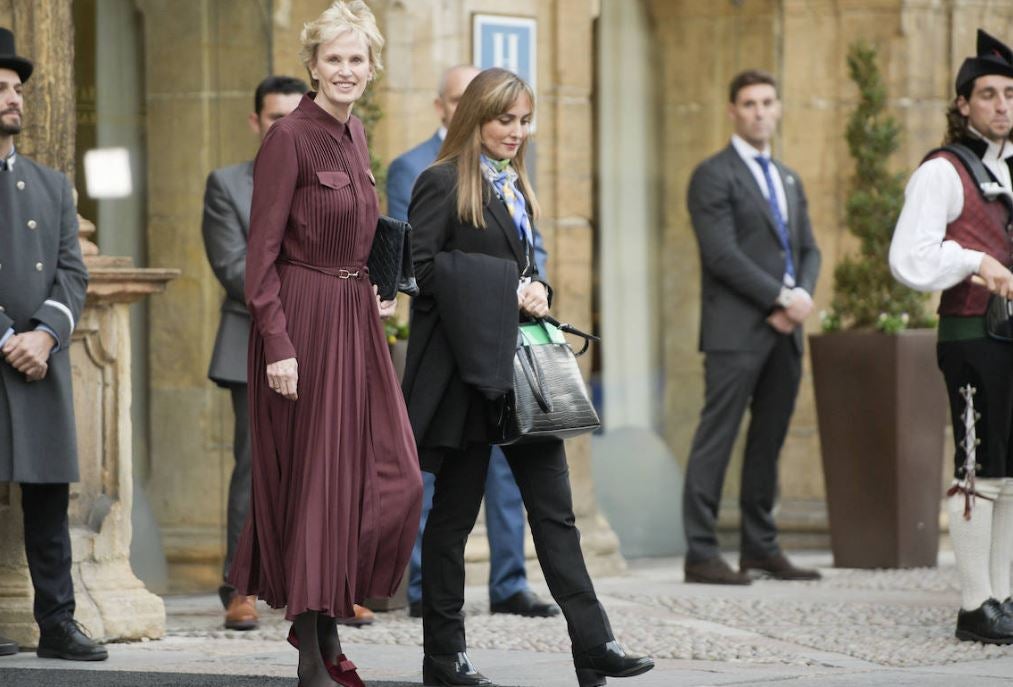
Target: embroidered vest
982,225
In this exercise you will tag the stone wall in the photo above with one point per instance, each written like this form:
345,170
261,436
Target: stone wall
699,47
203,61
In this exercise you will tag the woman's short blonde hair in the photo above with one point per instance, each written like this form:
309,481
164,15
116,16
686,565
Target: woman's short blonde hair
338,18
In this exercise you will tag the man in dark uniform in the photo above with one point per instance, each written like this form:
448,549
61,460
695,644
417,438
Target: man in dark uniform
953,235
42,291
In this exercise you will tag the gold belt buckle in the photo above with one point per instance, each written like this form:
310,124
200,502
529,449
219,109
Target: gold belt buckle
345,274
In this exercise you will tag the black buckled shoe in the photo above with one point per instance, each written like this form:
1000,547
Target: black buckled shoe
8,647
67,640
527,604
451,670
987,624
608,660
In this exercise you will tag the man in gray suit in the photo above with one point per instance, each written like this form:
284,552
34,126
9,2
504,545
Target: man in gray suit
227,200
42,291
759,267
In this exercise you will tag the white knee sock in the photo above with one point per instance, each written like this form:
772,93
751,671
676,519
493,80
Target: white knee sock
1002,541
972,543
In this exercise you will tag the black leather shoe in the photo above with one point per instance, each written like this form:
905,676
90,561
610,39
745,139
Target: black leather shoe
67,640
8,647
415,609
608,660
713,571
526,603
451,670
986,624
779,567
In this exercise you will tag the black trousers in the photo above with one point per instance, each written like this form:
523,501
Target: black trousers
543,478
239,484
766,382
987,365
47,547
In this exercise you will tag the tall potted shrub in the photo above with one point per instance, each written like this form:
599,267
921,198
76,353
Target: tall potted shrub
880,400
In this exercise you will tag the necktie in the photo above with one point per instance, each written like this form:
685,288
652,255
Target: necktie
775,210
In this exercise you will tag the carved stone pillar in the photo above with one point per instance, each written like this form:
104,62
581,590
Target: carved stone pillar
111,602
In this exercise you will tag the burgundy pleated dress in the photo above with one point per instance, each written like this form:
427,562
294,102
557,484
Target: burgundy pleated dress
336,486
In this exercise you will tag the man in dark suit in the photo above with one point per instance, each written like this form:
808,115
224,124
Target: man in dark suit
42,289
227,200
759,265
504,512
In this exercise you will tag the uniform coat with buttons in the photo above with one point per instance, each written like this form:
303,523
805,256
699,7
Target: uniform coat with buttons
42,281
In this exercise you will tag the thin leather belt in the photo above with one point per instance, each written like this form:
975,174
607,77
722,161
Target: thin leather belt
339,272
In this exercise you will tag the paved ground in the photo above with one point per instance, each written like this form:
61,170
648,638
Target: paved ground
854,627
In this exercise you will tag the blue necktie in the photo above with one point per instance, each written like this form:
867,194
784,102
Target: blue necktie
775,209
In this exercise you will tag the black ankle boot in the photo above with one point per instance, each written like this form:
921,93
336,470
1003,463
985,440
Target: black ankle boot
451,670
608,660
987,624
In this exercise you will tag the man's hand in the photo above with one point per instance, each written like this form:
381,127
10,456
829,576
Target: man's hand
534,300
801,305
283,377
28,353
780,321
998,279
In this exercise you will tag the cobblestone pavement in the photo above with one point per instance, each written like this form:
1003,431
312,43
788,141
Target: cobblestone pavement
854,627
897,618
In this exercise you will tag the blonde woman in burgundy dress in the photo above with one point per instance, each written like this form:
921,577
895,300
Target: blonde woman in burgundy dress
336,483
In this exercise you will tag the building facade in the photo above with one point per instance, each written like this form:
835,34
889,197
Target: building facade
631,96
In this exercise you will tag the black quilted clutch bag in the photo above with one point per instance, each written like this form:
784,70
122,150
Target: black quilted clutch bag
549,398
390,259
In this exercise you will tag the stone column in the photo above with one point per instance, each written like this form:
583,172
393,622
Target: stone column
111,601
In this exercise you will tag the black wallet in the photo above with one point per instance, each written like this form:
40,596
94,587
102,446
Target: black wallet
390,259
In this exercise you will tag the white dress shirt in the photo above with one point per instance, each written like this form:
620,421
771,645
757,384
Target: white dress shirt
748,154
920,255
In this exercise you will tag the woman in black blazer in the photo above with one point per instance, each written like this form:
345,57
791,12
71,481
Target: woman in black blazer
472,215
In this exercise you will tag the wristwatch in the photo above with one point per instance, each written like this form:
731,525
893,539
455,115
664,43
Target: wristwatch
785,297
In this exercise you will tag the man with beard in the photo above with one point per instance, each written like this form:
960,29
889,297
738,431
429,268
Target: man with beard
954,235
42,291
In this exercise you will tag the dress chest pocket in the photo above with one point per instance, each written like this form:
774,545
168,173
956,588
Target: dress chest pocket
334,180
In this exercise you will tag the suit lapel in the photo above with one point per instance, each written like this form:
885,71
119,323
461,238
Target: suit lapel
791,197
497,209
745,177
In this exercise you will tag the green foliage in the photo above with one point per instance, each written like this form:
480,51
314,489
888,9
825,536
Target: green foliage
369,111
395,329
865,293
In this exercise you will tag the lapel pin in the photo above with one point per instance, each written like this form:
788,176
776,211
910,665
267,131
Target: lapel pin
790,179
21,185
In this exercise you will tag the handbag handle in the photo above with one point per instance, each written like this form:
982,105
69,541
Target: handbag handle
533,375
570,329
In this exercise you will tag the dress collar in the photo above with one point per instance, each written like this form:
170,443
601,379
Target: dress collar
322,116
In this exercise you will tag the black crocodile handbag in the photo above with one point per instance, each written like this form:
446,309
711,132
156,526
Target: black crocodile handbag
549,398
390,259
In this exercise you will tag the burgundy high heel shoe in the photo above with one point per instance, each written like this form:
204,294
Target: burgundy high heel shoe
343,671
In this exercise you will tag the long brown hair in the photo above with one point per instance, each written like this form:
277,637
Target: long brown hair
491,93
